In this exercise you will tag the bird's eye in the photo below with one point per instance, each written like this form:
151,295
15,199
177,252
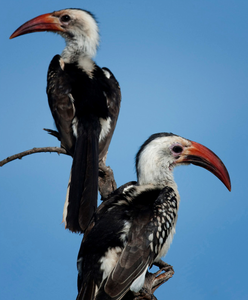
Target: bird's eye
65,18
177,149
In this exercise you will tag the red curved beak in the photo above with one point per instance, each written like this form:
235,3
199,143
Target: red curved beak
200,155
46,22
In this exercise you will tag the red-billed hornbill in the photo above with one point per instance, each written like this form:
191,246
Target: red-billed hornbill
132,230
84,100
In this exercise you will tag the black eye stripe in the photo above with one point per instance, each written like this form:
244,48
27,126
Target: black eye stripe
65,18
177,149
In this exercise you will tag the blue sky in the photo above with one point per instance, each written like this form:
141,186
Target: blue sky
182,67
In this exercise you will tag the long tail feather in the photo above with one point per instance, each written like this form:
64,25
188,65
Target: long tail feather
83,188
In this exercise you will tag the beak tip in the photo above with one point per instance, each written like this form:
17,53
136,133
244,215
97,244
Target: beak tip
14,35
227,183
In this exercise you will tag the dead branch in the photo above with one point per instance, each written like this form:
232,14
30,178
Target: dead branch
32,151
106,180
152,282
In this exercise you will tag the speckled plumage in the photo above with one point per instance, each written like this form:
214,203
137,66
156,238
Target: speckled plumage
123,228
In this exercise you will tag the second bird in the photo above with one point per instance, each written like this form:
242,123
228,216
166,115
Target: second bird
84,100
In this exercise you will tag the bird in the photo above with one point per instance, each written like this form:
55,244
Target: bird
84,100
133,229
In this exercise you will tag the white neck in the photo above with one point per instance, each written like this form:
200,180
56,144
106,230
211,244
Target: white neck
77,49
80,53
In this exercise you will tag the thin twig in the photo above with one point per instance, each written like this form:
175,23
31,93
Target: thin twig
32,151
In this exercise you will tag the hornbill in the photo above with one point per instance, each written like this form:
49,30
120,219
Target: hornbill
84,100
132,230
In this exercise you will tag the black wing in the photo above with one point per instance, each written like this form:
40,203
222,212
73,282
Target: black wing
61,103
147,241
112,92
118,233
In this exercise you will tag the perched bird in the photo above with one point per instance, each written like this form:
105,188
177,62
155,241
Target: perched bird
134,228
84,100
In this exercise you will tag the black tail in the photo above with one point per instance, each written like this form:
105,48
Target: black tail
83,188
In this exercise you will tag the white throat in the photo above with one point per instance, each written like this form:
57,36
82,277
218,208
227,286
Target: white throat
80,52
78,49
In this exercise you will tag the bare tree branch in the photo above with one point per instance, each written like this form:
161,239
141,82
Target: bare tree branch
32,151
106,180
153,282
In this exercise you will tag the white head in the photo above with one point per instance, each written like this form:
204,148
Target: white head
159,155
78,27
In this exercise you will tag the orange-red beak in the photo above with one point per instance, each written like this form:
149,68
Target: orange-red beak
46,22
200,155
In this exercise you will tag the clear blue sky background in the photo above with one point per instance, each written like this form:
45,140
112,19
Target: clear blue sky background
182,67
